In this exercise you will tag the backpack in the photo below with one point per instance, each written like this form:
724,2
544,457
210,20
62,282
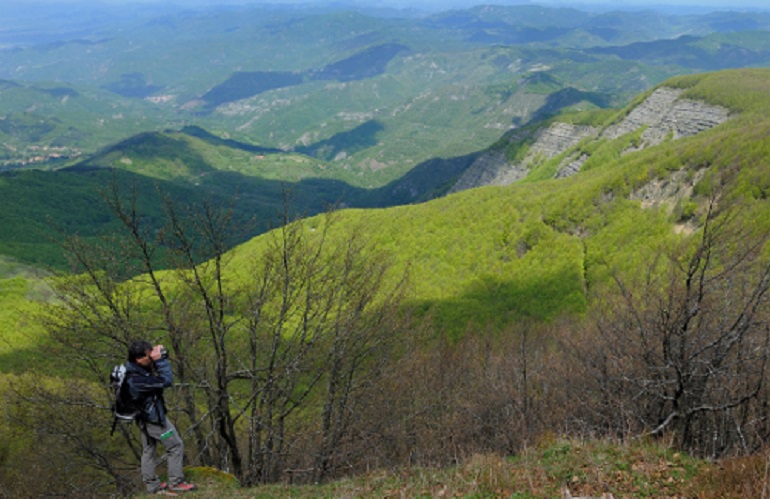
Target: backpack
125,408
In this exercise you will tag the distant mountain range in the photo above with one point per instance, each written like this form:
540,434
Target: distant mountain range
352,107
372,93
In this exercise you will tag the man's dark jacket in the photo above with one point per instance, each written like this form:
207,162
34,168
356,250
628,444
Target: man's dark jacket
147,388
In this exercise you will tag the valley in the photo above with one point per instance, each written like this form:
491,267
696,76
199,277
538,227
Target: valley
384,110
377,95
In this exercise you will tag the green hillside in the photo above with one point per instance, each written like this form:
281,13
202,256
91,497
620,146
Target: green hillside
502,254
22,288
40,207
506,280
191,165
520,221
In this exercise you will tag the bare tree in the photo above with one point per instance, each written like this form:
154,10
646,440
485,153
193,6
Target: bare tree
684,350
320,316
261,340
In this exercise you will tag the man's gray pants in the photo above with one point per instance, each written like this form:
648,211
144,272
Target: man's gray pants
167,435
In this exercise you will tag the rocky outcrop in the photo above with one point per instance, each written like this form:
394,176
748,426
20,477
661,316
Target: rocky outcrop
647,113
664,115
558,138
489,169
667,191
493,168
571,165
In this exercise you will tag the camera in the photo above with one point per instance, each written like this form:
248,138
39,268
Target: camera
163,353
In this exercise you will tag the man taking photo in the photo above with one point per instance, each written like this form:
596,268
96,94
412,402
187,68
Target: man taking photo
148,373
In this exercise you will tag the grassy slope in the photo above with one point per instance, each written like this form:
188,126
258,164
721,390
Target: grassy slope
180,156
20,289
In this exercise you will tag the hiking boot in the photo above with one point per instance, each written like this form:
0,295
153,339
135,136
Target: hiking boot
163,490
182,487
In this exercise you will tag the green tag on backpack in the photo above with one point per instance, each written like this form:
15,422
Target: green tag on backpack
167,434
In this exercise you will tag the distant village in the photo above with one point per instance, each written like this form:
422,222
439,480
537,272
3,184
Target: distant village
18,157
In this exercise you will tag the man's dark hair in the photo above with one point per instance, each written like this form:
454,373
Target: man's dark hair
138,349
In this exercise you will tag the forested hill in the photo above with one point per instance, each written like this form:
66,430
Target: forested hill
193,165
341,106
534,249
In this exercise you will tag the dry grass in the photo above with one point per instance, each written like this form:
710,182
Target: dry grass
585,468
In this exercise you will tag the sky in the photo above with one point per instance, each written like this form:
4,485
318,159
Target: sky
602,4
434,4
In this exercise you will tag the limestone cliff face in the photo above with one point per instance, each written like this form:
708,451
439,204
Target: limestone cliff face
487,170
492,168
558,138
665,114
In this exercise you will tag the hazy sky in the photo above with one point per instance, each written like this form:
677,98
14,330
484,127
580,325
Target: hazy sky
434,4
428,6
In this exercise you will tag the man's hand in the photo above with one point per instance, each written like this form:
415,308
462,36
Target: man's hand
156,352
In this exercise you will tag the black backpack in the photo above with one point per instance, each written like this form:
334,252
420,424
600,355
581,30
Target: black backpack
125,408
